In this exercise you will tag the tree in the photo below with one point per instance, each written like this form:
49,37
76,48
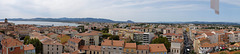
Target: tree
237,53
26,39
162,40
106,35
192,52
105,30
222,53
37,44
114,37
132,41
80,27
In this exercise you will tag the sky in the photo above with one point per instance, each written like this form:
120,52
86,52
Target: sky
123,10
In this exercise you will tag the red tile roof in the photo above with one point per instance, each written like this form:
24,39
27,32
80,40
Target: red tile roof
130,45
172,34
29,47
209,34
10,42
90,33
95,48
84,47
75,40
207,45
49,34
178,40
142,47
157,48
236,31
113,43
47,40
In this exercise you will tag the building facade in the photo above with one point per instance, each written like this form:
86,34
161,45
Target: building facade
11,46
145,38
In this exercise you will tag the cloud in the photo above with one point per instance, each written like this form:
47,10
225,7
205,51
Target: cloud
232,2
112,9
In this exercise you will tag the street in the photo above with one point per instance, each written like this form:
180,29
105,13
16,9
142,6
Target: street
187,44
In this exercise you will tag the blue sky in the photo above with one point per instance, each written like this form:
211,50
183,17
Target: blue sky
122,10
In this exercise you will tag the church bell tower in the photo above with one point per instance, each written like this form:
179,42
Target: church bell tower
6,21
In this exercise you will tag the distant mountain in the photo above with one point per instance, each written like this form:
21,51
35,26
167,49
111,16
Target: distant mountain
226,23
200,22
70,20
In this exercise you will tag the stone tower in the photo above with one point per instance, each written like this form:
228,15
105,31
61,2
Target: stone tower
6,21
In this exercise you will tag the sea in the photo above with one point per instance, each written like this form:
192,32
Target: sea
44,23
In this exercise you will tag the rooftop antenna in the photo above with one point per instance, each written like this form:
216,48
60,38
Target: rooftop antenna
215,6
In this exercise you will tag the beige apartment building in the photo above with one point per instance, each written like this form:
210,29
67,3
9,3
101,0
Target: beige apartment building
172,36
90,37
142,49
50,46
177,46
157,49
130,48
73,44
112,47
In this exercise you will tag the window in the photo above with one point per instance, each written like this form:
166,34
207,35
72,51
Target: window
109,47
103,47
177,51
11,49
114,47
126,50
132,50
120,48
21,47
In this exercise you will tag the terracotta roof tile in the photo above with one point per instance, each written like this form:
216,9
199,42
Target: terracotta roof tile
95,48
47,40
84,47
75,40
173,34
10,42
157,48
29,47
236,31
178,40
112,43
209,34
118,43
142,47
130,45
49,34
207,45
91,33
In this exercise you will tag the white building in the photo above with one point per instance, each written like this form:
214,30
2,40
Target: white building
145,38
177,46
29,49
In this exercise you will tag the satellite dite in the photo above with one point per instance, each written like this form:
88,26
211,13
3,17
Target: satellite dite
215,6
